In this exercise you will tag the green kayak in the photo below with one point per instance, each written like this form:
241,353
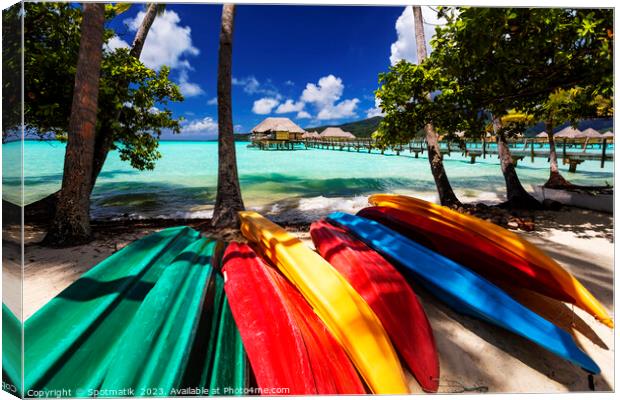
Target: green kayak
230,368
164,328
11,352
224,365
71,341
150,320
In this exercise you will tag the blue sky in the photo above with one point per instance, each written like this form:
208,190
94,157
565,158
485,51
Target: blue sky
317,65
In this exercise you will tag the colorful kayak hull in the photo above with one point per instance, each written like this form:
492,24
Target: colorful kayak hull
502,237
71,341
345,313
493,262
164,327
263,321
142,322
388,294
268,311
332,368
11,352
464,290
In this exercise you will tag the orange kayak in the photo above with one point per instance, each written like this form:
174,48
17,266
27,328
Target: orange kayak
501,237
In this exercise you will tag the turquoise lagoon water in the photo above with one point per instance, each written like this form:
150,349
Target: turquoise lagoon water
301,184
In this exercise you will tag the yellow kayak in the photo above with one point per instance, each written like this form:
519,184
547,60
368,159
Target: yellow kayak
345,313
503,237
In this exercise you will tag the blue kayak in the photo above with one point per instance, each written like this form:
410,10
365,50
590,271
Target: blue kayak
463,290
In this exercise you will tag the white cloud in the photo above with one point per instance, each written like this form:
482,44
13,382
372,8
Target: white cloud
325,95
187,88
290,106
251,85
404,48
167,42
289,83
190,89
375,111
114,43
344,109
303,115
264,105
238,128
328,90
206,125
212,102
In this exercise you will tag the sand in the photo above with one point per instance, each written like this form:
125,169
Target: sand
474,356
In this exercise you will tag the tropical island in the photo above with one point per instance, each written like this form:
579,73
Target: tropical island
487,145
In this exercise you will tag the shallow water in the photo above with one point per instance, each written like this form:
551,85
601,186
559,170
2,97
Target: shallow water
301,184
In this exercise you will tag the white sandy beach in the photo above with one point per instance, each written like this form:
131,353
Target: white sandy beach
474,356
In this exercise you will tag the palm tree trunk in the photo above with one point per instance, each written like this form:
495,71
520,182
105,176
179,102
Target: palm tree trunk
444,189
105,135
143,31
71,223
556,180
517,196
42,209
228,200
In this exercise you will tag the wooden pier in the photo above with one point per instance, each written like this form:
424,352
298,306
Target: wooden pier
572,151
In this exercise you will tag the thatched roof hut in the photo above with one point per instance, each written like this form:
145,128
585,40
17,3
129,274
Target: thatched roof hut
542,134
589,133
335,132
569,132
311,135
609,134
271,124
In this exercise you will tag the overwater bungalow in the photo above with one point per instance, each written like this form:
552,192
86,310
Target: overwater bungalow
334,132
589,133
311,135
569,133
277,134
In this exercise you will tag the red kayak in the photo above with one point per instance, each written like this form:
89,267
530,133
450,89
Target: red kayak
388,294
487,258
287,345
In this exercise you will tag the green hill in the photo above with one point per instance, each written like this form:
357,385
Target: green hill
363,128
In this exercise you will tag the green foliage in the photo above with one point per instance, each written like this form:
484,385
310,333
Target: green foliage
408,107
487,61
112,10
141,120
52,36
11,71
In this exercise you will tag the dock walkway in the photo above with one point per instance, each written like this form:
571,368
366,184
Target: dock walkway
572,151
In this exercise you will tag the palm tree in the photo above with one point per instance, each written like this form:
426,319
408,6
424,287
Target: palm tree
555,178
71,223
556,110
152,10
105,135
228,200
444,189
517,196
